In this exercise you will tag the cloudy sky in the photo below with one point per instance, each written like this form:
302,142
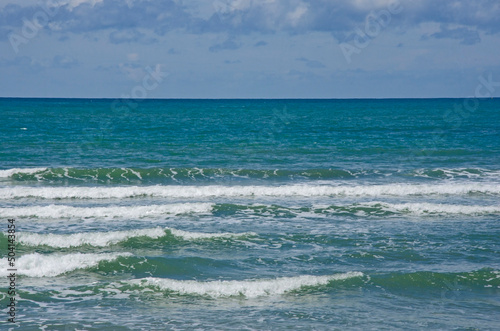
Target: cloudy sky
248,48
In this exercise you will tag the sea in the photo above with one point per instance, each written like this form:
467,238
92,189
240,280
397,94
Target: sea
359,214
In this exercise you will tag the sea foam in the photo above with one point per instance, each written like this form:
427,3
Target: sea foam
97,239
41,265
177,191
246,288
9,172
420,209
186,235
64,211
431,208
103,239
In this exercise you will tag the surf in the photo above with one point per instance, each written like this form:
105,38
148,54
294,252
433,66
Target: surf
109,212
305,190
245,288
105,239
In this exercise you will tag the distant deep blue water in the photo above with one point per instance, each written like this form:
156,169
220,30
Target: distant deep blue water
252,214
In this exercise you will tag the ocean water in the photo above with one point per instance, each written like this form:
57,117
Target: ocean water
251,214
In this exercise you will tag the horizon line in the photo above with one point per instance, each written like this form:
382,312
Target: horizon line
215,99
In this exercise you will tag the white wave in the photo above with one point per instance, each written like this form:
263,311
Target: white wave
103,239
97,239
248,288
473,173
201,235
40,265
64,211
431,208
423,208
175,191
9,172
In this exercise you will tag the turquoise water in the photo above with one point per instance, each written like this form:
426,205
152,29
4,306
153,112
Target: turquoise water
252,214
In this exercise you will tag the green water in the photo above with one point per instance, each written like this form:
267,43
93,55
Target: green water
252,214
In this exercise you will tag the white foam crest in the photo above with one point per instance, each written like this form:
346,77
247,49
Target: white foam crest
9,172
64,211
431,208
462,172
103,239
175,191
97,239
247,288
40,265
423,208
201,235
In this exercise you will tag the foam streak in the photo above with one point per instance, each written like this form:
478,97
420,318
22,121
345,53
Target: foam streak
63,211
176,191
39,265
249,288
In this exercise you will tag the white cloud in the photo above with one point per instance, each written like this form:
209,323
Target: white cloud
374,4
75,3
297,14
248,16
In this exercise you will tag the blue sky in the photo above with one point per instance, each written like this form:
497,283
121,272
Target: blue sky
248,48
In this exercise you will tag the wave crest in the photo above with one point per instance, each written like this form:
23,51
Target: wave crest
180,191
103,239
63,211
248,288
40,265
